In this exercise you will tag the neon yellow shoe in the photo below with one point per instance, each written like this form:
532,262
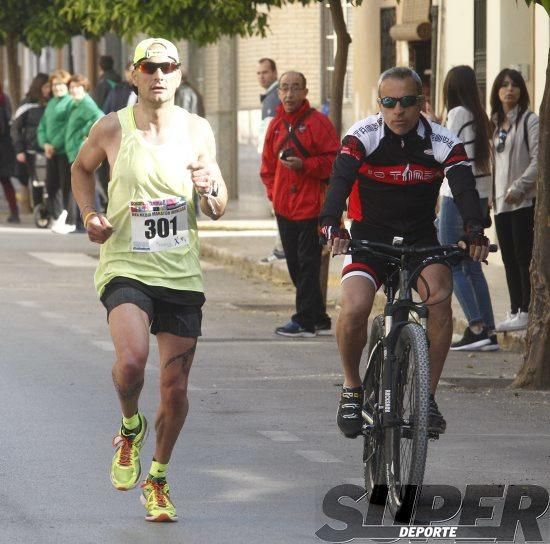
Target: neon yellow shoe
156,499
126,468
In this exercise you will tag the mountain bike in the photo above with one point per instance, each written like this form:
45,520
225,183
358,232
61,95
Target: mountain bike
397,378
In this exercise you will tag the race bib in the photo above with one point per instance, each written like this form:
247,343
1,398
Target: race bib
158,225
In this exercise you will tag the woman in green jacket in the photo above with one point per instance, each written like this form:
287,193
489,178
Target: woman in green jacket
51,137
84,113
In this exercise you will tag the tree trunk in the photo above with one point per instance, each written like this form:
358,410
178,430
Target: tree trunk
14,72
535,372
343,40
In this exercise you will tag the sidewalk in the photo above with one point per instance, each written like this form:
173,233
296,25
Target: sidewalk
247,233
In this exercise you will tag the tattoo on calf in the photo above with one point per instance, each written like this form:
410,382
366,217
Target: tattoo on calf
128,393
185,358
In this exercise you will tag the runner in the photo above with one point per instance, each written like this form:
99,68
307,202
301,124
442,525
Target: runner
149,276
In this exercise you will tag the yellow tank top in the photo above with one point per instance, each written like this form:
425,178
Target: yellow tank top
151,208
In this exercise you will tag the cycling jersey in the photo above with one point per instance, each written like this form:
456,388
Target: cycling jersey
393,181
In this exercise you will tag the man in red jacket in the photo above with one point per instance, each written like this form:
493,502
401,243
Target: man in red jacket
300,146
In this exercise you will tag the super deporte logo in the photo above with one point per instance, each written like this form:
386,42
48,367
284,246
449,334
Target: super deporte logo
478,513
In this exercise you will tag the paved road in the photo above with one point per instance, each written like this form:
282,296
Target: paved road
260,448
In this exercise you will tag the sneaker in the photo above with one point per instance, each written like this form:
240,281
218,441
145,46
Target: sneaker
349,418
294,330
13,218
275,256
155,496
126,468
493,345
436,422
63,228
323,328
521,321
507,324
471,341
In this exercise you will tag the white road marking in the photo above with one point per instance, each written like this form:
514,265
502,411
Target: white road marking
51,315
27,303
66,260
246,486
318,456
237,233
280,436
105,345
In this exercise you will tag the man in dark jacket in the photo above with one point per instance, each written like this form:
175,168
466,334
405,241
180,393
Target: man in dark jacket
107,80
122,95
300,146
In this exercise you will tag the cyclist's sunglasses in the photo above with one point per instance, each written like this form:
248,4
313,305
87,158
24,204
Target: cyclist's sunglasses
405,101
501,140
151,67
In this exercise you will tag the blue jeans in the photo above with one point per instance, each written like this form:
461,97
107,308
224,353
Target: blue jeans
470,285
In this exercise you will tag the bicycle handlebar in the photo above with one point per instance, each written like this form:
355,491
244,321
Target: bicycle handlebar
366,246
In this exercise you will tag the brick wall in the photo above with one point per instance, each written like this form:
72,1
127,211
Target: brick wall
293,42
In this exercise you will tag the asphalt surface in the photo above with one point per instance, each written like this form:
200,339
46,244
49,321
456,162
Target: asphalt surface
260,448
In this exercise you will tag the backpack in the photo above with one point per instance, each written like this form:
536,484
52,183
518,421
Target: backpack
525,130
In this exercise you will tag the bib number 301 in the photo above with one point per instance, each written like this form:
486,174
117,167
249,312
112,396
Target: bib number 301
159,225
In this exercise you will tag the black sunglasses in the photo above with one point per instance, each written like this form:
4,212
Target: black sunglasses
405,101
151,67
501,140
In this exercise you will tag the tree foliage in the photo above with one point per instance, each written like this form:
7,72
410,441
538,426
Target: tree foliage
202,21
544,3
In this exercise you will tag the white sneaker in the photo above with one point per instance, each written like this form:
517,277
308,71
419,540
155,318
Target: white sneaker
506,325
59,221
521,321
63,229
514,322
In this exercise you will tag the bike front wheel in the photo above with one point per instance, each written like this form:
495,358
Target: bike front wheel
373,449
407,440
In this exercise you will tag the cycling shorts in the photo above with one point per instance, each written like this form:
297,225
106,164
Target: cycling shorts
377,269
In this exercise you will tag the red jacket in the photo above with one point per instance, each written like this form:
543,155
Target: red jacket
299,194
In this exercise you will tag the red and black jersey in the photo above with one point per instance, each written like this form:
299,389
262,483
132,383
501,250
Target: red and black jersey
393,181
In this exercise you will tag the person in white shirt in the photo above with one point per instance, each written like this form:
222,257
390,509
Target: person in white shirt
468,120
516,142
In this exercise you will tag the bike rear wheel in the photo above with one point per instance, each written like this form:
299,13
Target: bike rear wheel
407,442
373,449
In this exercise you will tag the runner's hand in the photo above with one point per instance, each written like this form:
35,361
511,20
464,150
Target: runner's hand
336,239
201,176
99,229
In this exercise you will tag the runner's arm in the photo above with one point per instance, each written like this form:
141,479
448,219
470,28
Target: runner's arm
214,197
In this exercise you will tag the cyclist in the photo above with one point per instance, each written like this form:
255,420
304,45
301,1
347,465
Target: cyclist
149,276
391,166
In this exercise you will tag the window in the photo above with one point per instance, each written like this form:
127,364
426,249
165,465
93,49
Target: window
480,46
328,48
387,43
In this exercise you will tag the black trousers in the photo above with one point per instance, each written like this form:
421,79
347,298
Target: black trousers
303,258
515,231
58,185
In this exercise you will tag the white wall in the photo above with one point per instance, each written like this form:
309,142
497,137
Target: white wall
542,45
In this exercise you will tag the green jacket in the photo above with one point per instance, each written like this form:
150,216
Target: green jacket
83,115
51,129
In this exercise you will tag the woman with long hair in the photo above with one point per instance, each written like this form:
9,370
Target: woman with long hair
25,126
516,142
7,156
467,119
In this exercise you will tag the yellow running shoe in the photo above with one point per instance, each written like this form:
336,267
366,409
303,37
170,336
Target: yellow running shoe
126,468
156,499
